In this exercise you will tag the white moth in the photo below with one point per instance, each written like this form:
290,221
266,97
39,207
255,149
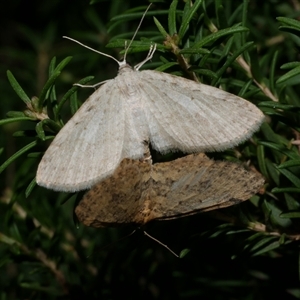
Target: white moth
170,112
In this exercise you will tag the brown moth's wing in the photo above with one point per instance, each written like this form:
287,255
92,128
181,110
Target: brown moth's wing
195,183
118,199
138,192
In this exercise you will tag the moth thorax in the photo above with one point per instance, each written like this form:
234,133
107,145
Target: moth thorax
124,68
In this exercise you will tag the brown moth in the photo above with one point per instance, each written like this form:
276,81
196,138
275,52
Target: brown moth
139,191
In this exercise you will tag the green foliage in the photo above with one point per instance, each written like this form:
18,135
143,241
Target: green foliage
250,251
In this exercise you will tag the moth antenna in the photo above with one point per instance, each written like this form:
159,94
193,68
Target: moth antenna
159,242
136,31
120,63
101,53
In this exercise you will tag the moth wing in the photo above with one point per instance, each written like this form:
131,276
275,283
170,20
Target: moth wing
89,147
194,117
193,183
117,200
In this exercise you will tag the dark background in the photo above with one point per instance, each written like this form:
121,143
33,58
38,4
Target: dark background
45,254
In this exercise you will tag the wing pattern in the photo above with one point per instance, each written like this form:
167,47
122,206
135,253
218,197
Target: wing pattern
139,192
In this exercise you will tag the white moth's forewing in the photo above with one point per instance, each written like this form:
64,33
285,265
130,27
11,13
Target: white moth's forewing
72,158
91,145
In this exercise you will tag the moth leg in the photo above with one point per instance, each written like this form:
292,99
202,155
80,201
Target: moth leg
149,57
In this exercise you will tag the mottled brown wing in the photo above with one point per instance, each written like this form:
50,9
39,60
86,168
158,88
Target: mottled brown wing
118,199
138,192
194,183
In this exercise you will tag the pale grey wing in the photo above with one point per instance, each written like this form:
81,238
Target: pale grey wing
136,126
89,147
192,184
117,200
194,117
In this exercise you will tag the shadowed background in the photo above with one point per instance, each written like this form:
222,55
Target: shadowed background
45,254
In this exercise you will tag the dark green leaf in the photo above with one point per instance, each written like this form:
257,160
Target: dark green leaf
290,65
276,105
289,164
184,252
286,190
30,187
288,21
12,120
221,33
71,92
188,17
18,154
294,72
289,215
194,51
15,114
280,148
160,28
172,17
17,88
166,66
294,179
